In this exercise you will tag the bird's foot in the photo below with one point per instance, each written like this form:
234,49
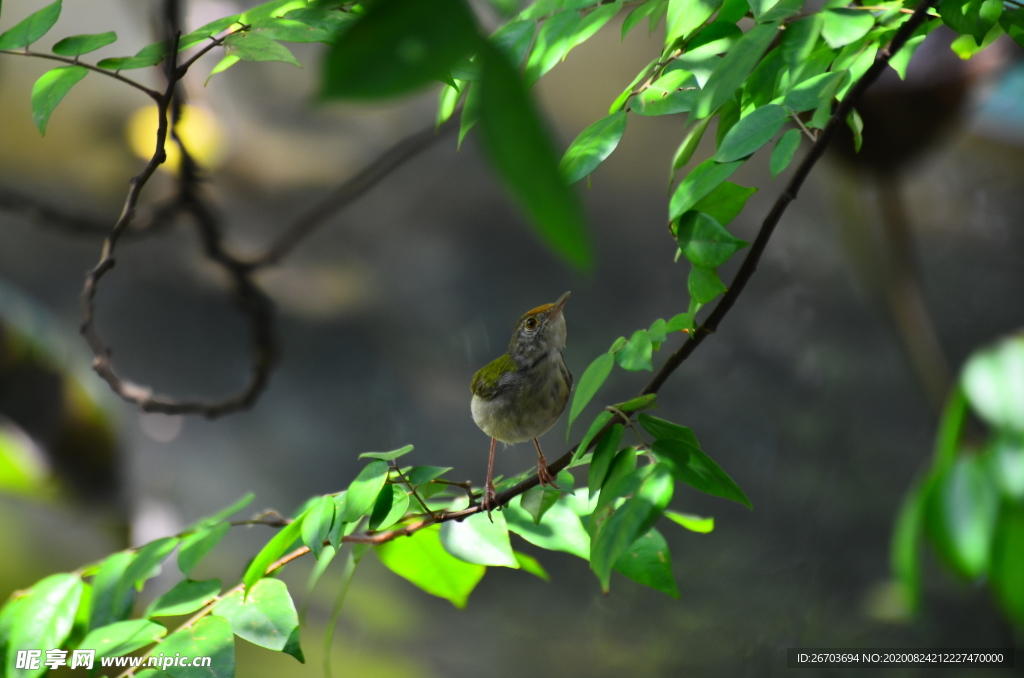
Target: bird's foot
489,501
544,475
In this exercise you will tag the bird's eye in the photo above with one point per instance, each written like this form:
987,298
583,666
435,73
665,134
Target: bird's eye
531,323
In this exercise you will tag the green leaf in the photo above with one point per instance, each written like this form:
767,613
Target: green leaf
799,39
481,539
762,84
447,100
42,619
689,144
242,502
1008,562
685,15
961,516
251,46
120,638
592,146
631,520
813,92
274,549
31,28
993,380
49,90
680,322
419,475
691,522
725,202
207,31
905,553
751,133
265,616
397,47
593,377
785,149
552,43
675,92
389,507
195,546
522,153
691,466
387,456
782,10
537,500
317,524
644,402
647,9
856,125
604,453
592,23
733,70
532,565
1008,466
209,637
146,562
636,354
185,597
717,37
842,26
559,529
704,285
77,45
648,562
289,30
1012,22
514,39
333,21
702,180
599,422
704,241
110,602
362,493
666,430
423,561
150,55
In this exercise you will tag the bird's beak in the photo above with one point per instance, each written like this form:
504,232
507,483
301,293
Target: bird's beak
557,307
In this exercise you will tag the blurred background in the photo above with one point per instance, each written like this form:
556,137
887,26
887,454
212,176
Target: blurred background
817,394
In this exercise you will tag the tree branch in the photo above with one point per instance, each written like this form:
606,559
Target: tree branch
151,93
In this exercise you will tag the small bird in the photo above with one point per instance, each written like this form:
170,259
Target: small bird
521,395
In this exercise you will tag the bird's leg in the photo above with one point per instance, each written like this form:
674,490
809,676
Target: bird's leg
490,497
543,474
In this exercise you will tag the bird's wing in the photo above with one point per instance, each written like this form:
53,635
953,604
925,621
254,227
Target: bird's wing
487,382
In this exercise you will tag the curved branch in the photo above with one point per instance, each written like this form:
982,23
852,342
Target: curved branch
151,93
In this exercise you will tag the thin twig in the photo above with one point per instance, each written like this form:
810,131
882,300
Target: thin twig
151,93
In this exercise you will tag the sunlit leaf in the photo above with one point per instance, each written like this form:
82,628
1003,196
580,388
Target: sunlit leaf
751,133
210,637
120,638
559,529
591,380
388,456
196,545
363,491
993,380
77,45
479,539
592,146
264,616
49,90
185,597
685,15
423,561
31,28
691,522
841,26
317,524
730,73
604,453
962,509
42,619
274,549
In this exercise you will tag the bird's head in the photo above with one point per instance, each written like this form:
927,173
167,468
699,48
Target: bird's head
540,332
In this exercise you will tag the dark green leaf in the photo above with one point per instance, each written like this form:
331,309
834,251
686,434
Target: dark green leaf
42,619
49,90
387,456
31,28
537,500
725,202
715,38
704,241
730,74
1012,22
599,422
422,560
1008,562
593,377
397,47
389,508
521,151
592,146
289,30
362,493
689,144
185,597
691,466
728,116
961,516
120,638
83,44
666,430
418,475
636,354
622,479
275,548
150,55
751,133
993,380
691,522
799,39
704,285
146,563
265,616
317,524
905,554
842,26
763,83
513,40
251,46
675,92
733,10
481,539
630,521
648,562
604,453
782,10
703,179
196,545
553,42
209,637
685,15
813,92
785,149
330,20
559,530
110,602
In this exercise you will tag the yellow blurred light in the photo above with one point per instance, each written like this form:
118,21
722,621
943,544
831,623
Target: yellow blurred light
197,127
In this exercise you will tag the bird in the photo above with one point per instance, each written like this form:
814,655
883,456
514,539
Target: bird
521,394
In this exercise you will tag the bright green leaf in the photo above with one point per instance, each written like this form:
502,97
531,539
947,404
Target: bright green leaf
264,616
317,524
905,553
120,638
1008,562
42,619
691,466
362,493
702,180
644,402
592,146
785,149
481,539
691,522
423,561
725,202
799,39
704,285
552,43
185,597
530,564
636,354
599,422
274,549
666,430
196,545
593,377
240,504
704,241
537,500
993,380
514,39
419,475
31,28
389,507
841,26
252,46
650,8
813,92
962,509
648,562
49,90
559,529
110,601
685,15
150,55
76,45
289,30
209,637
731,72
604,453
751,133
387,456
